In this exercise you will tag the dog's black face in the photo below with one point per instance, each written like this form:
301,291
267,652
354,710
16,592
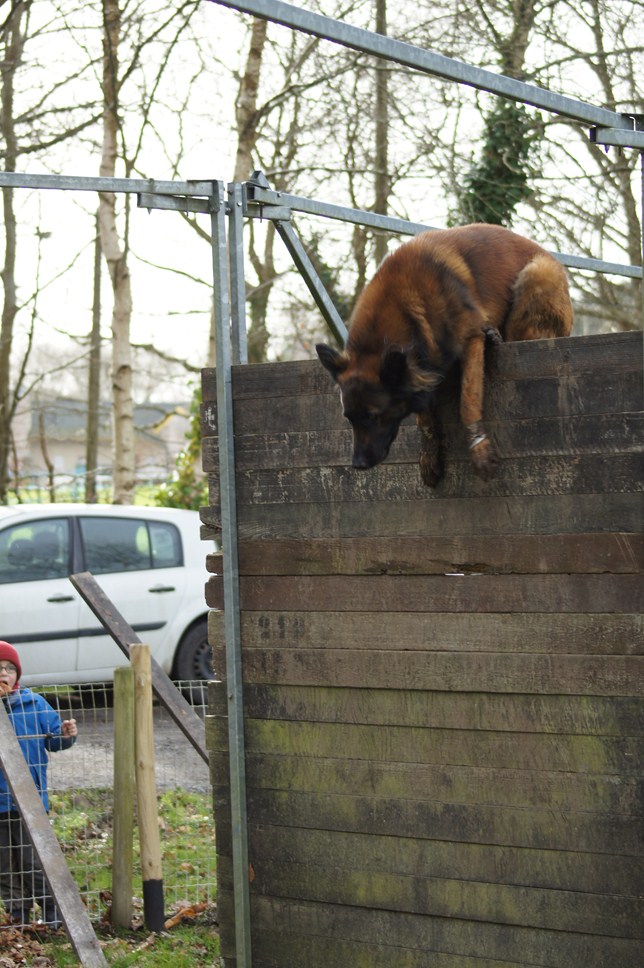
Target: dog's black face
376,406
375,419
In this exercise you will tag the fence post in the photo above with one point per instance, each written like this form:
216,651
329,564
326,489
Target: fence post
121,914
146,790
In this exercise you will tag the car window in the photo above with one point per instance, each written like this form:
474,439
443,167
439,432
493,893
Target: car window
125,544
166,545
115,544
35,550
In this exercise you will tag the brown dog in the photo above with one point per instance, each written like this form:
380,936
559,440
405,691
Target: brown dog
433,302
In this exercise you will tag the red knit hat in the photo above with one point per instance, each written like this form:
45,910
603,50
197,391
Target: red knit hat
9,654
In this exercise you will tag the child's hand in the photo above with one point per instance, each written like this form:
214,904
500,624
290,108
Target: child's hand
5,688
70,728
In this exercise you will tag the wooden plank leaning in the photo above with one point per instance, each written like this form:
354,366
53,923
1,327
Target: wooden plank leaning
46,847
165,690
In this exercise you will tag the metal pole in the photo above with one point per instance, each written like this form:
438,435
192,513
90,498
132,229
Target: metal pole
427,61
237,276
228,501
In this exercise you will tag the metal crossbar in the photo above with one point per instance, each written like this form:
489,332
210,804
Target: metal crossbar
263,202
429,62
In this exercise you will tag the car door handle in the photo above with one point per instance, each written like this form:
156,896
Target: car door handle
158,589
61,598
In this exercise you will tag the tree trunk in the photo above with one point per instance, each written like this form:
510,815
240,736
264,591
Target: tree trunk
246,103
94,382
13,47
246,120
116,259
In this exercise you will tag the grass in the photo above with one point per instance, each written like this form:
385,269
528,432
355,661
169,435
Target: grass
82,821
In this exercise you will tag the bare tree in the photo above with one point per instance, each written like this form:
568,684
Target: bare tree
12,44
116,258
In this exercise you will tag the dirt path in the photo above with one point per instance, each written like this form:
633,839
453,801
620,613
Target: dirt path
90,762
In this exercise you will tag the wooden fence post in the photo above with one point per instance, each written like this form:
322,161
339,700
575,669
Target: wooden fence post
153,909
121,914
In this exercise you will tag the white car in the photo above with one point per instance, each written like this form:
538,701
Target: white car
149,561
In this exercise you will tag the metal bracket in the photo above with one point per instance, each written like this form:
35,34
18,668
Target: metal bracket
260,201
205,200
621,137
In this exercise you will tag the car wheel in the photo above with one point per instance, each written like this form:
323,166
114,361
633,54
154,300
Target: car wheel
194,656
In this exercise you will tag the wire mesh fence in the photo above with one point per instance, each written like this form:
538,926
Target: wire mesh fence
80,792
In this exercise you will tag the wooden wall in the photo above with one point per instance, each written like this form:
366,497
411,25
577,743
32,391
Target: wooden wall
443,690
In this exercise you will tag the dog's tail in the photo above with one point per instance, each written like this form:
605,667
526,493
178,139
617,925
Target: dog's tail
541,307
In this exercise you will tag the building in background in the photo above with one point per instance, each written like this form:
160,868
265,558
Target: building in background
50,442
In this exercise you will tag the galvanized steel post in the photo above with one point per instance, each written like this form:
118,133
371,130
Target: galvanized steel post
231,577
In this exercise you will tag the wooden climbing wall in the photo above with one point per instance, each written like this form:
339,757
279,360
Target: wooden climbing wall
442,690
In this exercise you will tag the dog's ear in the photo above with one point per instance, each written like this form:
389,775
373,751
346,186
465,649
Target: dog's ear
394,368
331,359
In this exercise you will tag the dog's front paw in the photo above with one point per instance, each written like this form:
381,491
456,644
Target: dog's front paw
485,459
493,335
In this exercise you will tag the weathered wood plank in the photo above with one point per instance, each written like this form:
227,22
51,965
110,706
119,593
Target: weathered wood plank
529,476
583,513
466,672
545,437
573,871
572,634
501,712
540,828
418,893
421,555
444,593
278,920
596,393
564,791
597,755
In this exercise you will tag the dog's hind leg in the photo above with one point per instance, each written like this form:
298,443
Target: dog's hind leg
482,452
431,459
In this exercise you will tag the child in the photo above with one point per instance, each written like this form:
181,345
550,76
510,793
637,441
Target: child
39,729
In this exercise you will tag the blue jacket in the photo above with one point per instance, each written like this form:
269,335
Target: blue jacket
38,728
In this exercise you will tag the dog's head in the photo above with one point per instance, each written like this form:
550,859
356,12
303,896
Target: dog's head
378,391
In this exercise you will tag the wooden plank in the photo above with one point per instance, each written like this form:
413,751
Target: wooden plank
397,933
574,871
567,792
557,633
539,827
597,393
593,755
421,555
445,593
501,712
583,513
545,437
444,671
418,893
529,476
